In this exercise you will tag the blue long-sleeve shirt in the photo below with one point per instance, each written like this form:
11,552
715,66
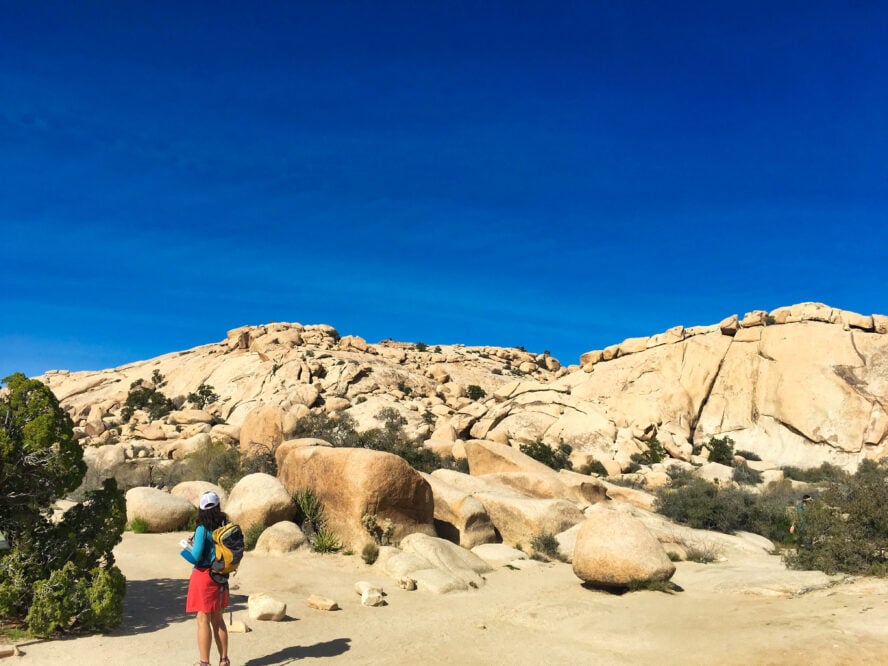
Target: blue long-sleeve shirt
201,552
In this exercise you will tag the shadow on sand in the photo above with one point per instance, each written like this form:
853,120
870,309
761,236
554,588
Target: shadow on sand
332,648
151,605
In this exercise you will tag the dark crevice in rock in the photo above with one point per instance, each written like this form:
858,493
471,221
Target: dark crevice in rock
794,430
706,396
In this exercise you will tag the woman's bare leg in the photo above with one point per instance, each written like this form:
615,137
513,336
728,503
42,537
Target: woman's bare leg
204,636
220,633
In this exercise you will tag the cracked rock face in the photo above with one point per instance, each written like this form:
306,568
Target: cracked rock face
801,385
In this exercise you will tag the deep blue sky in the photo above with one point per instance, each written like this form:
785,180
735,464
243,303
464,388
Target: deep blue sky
554,175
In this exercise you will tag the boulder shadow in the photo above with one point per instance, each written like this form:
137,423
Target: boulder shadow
666,587
332,648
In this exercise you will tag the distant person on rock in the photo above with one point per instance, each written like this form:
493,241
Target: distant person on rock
206,597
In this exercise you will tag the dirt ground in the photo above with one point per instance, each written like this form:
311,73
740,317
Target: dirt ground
746,610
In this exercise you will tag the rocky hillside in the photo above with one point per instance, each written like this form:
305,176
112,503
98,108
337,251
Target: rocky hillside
799,385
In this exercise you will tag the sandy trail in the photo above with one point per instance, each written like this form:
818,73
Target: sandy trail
735,612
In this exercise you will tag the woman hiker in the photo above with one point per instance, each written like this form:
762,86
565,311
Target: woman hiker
206,597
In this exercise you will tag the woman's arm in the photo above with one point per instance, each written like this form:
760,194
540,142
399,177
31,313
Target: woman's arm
198,546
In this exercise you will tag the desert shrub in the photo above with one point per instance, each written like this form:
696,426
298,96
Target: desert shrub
210,462
205,395
546,544
138,525
496,371
252,534
749,455
381,533
554,458
704,505
390,437
475,392
746,476
679,476
594,467
148,398
369,553
825,473
339,431
721,450
308,507
650,586
325,541
704,553
846,528
628,480
420,346
258,459
655,453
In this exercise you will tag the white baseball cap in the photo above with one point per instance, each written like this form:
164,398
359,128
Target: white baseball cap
208,500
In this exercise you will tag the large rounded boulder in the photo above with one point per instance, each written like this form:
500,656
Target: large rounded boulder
615,550
259,498
192,490
351,483
161,511
262,430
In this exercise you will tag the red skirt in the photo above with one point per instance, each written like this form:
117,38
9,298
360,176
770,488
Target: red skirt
204,594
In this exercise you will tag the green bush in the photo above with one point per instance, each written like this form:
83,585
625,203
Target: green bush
825,473
205,395
139,525
554,458
148,398
594,467
721,450
420,346
846,528
252,534
390,437
749,455
546,544
475,392
746,476
213,461
56,575
704,505
369,553
308,507
325,541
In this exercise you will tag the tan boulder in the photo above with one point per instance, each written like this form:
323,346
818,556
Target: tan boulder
320,603
459,517
189,416
716,473
262,429
261,606
161,511
259,498
192,490
614,549
436,565
303,394
282,537
351,483
486,457
519,520
336,404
